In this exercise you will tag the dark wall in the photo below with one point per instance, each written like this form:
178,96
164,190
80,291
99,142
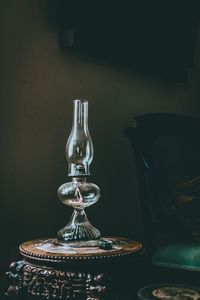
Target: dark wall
155,38
38,82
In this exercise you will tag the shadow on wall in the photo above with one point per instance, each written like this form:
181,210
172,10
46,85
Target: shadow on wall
155,39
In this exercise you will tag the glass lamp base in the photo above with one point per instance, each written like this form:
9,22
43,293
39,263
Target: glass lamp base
78,229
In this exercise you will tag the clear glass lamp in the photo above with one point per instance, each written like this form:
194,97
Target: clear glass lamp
79,193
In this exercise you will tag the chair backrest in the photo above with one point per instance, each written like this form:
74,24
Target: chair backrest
167,151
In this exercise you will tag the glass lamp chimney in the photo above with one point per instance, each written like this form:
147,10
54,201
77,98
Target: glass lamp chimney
79,147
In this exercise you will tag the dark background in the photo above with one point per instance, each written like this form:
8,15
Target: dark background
39,79
156,38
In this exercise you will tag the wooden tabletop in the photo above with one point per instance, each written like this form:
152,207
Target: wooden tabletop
53,251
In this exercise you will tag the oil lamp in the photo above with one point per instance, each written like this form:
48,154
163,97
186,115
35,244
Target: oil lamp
79,193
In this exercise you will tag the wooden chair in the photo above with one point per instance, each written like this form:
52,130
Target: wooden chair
167,152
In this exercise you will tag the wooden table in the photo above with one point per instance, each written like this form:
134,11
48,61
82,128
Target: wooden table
77,270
